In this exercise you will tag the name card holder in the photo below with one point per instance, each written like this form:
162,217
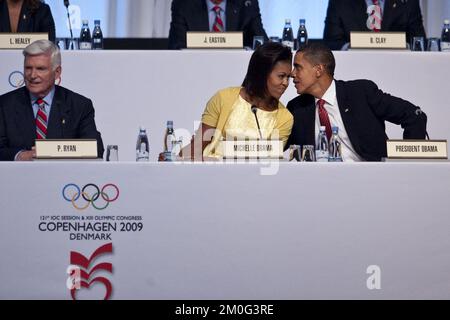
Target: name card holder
417,149
251,149
378,40
66,149
20,40
215,40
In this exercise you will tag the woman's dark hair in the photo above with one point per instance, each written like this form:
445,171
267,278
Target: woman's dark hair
261,65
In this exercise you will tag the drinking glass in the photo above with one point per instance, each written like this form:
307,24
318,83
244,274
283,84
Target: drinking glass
418,44
112,153
433,44
308,154
294,152
257,42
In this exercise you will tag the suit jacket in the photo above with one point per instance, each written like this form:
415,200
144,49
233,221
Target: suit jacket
192,15
364,109
39,20
71,117
344,16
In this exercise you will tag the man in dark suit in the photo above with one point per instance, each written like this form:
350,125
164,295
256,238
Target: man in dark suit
43,110
358,108
26,16
200,15
344,16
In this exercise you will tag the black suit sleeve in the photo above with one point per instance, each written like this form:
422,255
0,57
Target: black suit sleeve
87,128
334,33
397,111
178,27
45,22
415,21
6,152
255,26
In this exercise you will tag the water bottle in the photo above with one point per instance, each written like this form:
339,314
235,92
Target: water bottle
335,146
322,146
169,142
288,35
97,36
142,146
445,38
85,36
302,34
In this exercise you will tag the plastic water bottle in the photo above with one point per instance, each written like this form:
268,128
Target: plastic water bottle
97,36
302,34
445,37
169,138
288,35
142,146
85,36
322,146
335,146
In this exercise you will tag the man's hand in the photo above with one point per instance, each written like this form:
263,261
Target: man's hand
26,155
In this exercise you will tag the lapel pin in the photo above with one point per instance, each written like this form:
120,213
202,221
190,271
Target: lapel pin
63,121
394,5
24,17
347,110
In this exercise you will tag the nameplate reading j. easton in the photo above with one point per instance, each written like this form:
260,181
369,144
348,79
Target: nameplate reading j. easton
66,149
378,40
214,40
252,149
20,40
417,149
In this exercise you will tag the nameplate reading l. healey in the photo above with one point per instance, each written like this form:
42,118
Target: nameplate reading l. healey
378,40
20,40
66,149
214,40
417,149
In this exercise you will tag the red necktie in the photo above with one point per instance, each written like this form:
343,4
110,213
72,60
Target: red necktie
323,117
375,18
218,23
41,120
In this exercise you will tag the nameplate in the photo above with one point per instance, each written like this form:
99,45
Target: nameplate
66,149
378,40
252,149
417,149
20,40
214,40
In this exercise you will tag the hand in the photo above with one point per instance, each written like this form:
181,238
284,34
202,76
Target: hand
26,155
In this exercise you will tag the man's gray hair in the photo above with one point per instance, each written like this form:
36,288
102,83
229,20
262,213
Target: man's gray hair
46,47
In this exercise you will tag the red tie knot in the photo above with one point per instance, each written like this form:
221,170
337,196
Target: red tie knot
375,2
320,103
217,9
40,102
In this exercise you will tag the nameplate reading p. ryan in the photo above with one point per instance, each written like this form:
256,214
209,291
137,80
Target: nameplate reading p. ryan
252,149
214,40
378,40
66,149
20,40
417,149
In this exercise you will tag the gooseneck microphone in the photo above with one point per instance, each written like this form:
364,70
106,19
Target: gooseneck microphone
67,4
254,109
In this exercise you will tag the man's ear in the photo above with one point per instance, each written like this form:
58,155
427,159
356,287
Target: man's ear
320,70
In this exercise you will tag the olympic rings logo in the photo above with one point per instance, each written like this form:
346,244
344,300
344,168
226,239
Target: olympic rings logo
90,194
16,79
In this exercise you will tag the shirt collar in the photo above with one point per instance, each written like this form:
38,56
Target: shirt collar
329,95
48,99
211,5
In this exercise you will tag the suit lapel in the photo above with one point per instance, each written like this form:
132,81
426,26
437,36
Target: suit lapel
388,14
25,116
24,19
5,24
200,10
58,115
360,19
232,16
346,110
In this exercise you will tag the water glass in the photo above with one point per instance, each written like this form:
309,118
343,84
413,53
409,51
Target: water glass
62,43
418,44
257,42
294,152
112,153
308,154
73,44
433,44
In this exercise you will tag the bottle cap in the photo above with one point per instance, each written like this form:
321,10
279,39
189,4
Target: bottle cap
142,128
97,22
170,123
85,21
302,21
288,20
323,128
446,21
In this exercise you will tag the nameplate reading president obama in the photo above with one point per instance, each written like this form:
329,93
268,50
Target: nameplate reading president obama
66,149
214,40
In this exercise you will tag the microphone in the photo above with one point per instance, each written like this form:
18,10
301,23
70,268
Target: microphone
254,109
67,4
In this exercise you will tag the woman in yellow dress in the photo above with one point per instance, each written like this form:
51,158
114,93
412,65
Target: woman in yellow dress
230,113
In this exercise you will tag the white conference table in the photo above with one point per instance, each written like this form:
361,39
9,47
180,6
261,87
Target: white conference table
133,88
231,231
